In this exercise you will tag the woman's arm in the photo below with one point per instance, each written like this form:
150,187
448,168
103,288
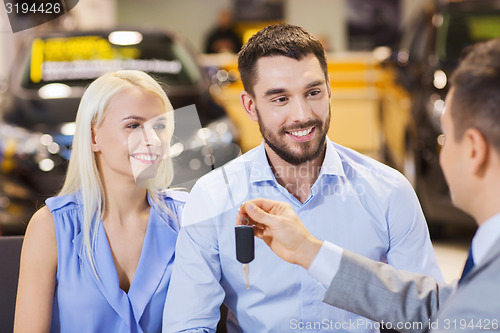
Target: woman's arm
37,275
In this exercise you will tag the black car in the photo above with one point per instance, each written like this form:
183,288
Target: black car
39,106
430,50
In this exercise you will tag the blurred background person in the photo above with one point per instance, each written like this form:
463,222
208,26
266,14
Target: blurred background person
223,37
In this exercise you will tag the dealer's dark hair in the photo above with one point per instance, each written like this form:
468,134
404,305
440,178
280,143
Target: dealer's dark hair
476,97
279,39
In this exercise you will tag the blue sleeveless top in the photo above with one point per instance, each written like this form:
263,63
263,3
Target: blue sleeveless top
82,302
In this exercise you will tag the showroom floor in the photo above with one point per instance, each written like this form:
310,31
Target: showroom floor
451,252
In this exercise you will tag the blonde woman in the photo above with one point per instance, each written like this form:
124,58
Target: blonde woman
98,257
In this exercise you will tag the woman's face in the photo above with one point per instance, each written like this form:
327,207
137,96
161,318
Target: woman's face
132,139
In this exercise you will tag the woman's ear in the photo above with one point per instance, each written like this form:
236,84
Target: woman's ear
248,103
95,146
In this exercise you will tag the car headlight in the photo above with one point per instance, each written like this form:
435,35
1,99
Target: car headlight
435,108
440,79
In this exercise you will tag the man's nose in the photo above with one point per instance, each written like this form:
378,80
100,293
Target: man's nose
301,110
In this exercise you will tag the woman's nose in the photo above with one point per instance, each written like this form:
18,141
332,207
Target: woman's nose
150,136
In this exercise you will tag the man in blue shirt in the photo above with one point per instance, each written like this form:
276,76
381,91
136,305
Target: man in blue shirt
342,197
409,302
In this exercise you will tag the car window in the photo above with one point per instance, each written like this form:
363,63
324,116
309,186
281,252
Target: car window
460,29
78,60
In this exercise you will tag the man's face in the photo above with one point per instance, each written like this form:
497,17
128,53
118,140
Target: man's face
452,156
292,105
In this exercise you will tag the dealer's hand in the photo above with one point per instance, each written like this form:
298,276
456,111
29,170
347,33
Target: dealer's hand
277,224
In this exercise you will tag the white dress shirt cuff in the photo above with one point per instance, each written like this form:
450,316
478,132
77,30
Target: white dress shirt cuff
326,263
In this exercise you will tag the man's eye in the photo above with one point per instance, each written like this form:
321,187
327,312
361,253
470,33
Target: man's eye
314,92
280,99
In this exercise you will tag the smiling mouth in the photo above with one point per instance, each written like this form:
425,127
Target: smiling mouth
146,158
301,135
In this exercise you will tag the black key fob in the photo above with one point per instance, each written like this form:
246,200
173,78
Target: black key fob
245,243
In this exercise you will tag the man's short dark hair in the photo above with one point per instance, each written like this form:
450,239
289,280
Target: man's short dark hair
476,97
279,39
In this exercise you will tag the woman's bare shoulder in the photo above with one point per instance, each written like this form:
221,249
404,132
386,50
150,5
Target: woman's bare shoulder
41,231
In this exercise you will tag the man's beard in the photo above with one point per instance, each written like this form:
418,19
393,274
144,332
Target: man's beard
308,150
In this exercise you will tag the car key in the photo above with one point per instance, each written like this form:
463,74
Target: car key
245,248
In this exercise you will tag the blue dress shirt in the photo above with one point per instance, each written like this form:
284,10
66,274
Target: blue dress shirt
84,303
356,202
484,239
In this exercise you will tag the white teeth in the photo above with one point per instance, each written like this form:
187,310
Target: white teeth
146,157
301,133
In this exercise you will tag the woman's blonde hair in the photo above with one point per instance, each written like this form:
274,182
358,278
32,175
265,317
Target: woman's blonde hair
83,175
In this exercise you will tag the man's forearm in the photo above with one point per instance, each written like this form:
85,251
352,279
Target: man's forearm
380,292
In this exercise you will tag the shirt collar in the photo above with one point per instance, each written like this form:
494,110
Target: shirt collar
260,170
486,236
332,164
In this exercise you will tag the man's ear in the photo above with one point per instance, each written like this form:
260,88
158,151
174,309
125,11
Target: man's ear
248,103
95,145
479,150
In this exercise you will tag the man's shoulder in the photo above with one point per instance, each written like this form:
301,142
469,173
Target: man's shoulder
221,190
358,165
475,300
234,171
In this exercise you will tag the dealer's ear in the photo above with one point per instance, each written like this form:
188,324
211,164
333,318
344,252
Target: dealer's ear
478,151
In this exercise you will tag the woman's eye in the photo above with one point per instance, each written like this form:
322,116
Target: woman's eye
133,125
159,126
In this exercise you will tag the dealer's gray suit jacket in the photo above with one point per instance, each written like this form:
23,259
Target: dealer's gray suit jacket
382,293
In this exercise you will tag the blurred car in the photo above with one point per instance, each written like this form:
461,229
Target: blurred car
430,49
39,106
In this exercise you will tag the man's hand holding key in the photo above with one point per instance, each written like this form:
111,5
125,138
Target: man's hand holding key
277,224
